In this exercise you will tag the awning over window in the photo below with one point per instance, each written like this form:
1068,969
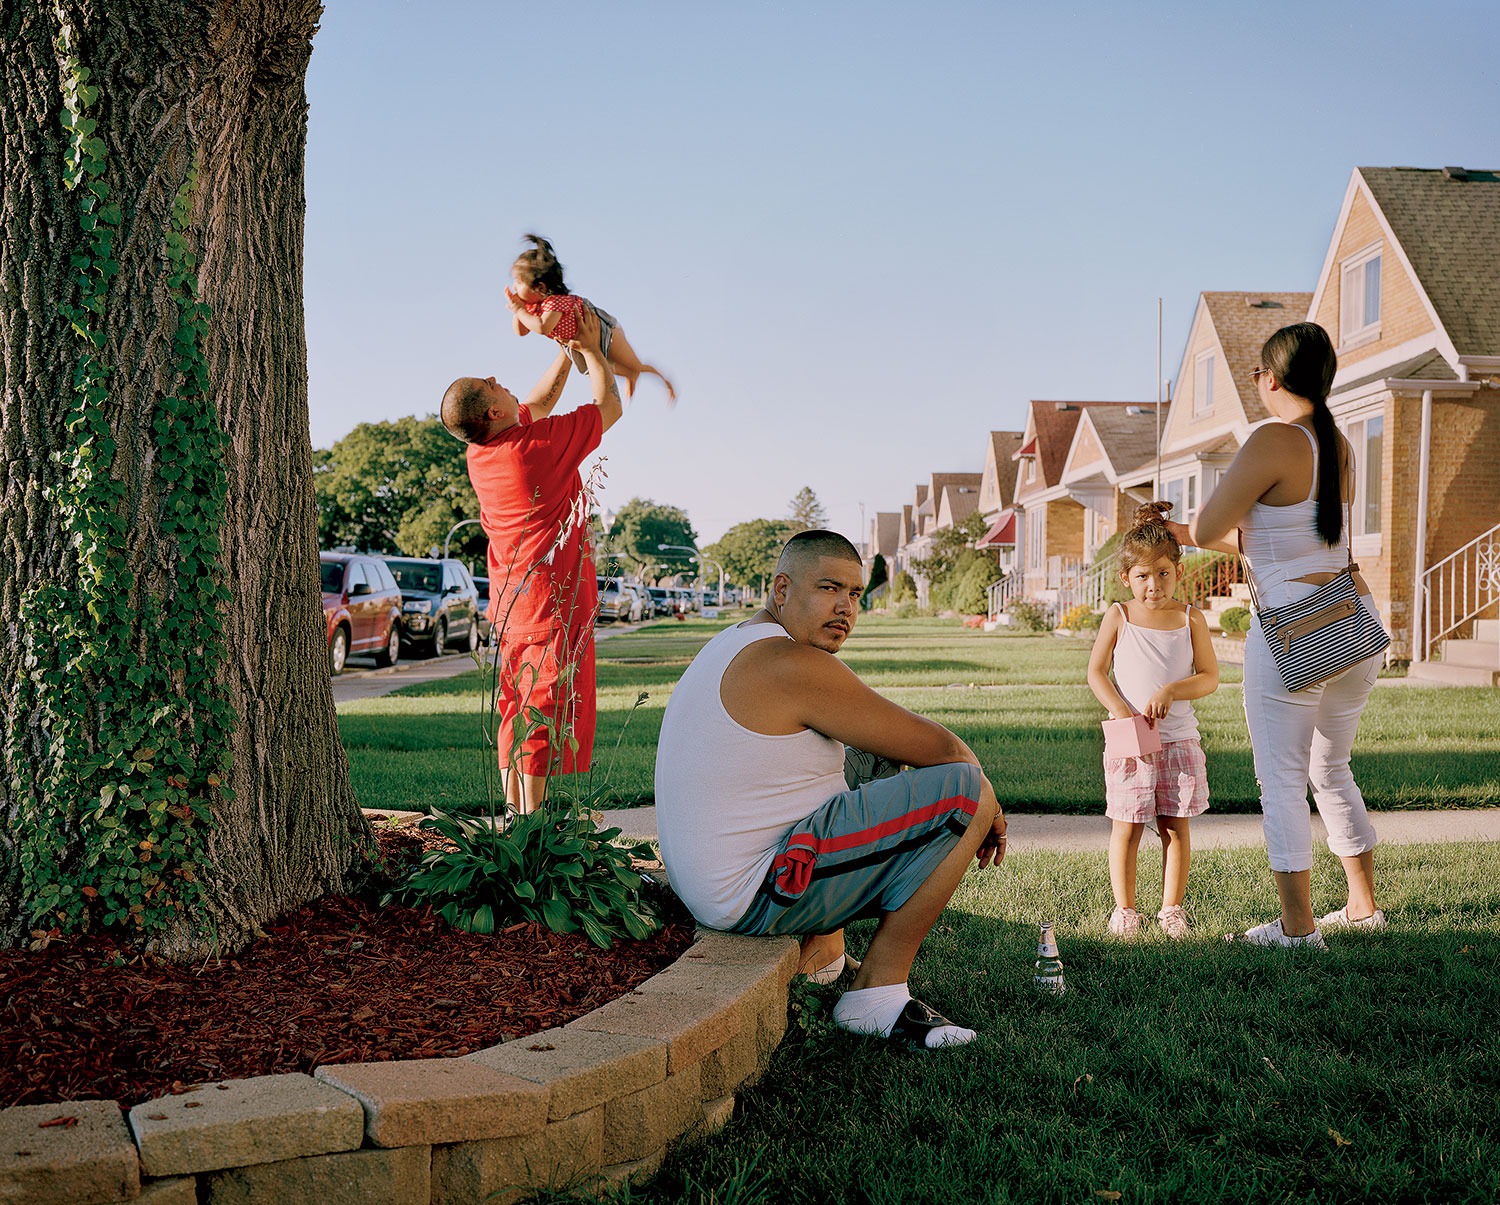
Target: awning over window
1001,532
1026,449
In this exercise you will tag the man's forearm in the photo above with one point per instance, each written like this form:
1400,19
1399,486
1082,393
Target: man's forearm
606,391
543,396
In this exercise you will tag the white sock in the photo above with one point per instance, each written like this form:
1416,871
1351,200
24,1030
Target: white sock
874,1010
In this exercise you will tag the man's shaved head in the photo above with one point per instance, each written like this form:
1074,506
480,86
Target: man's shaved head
464,407
807,547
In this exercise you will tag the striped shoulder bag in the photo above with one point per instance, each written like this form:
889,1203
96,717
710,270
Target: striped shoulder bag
1321,635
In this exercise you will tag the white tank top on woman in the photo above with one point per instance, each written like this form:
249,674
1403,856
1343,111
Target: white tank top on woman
1147,659
725,796
1282,542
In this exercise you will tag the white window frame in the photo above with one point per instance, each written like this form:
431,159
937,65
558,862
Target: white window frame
1203,383
1364,541
1356,325
1036,538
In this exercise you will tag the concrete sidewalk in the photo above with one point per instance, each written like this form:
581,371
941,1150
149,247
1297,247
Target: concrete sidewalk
1210,831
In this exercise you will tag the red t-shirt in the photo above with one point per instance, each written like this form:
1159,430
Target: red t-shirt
532,508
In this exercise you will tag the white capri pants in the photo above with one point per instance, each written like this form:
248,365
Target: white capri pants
1305,738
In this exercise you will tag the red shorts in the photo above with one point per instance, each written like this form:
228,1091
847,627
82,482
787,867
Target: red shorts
547,701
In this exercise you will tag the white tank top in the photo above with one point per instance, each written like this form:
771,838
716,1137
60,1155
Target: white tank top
725,796
1145,661
1282,542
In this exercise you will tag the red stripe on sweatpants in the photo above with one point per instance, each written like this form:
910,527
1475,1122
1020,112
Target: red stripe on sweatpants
869,836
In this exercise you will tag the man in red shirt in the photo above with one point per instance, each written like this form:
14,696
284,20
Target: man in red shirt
524,465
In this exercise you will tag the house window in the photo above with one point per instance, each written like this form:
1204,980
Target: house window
1182,493
1203,384
1366,437
1359,296
1036,537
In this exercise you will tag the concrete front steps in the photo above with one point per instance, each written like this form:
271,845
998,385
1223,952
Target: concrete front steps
591,1103
1471,662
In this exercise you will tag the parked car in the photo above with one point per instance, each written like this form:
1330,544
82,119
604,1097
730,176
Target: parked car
439,604
614,600
361,607
640,601
662,602
486,632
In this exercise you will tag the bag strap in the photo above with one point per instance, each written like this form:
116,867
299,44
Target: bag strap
1239,539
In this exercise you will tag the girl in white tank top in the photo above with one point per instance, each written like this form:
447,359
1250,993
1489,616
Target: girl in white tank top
1151,658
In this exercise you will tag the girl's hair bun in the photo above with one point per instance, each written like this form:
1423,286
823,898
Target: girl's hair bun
1152,512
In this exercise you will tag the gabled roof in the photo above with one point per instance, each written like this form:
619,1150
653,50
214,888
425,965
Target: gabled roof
1127,434
957,503
1052,425
1448,226
887,528
1243,322
1001,462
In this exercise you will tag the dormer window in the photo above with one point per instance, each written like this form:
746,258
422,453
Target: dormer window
1359,297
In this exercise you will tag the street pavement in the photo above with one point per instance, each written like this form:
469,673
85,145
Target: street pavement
1028,832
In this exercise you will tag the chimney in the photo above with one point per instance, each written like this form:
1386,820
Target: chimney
1456,173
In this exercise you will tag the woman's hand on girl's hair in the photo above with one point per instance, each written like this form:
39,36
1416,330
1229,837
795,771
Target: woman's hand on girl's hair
1180,532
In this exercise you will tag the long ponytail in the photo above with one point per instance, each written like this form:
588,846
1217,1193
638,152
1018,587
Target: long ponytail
1302,359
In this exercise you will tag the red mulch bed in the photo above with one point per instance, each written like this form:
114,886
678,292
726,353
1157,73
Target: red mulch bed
337,981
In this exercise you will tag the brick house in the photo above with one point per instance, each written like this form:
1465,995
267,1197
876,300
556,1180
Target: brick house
945,499
1214,404
997,496
1052,519
1410,293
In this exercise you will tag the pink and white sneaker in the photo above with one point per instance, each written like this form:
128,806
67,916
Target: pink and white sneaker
1174,922
1340,920
1125,922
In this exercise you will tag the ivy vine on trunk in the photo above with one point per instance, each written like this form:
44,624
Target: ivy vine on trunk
167,767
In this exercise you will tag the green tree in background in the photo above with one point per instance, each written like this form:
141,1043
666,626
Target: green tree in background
639,527
806,511
748,550
397,487
947,547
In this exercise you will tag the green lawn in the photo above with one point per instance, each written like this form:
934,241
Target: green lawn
1020,702
1192,1071
1169,1072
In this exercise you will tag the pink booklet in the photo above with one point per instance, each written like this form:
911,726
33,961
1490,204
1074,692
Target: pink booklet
1130,737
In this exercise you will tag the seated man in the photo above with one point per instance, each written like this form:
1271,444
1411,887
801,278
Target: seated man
761,833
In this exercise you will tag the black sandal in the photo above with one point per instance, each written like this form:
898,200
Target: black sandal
916,1021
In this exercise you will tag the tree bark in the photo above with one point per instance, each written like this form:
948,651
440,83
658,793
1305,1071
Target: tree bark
222,81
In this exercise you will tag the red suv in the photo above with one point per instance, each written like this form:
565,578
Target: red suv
362,605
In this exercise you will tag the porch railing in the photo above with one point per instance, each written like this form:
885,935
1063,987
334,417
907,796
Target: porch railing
1460,588
1005,591
1210,579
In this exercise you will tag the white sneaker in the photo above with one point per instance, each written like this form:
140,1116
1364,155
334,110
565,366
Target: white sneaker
1174,921
1125,922
1340,920
1272,934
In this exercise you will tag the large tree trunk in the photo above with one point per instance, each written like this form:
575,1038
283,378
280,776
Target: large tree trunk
219,82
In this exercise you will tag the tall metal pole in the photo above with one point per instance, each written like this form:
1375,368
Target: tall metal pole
1156,491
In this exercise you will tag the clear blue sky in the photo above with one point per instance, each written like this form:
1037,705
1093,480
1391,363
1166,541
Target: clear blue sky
858,235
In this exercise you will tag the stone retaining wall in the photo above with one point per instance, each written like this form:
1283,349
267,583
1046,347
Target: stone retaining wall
600,1099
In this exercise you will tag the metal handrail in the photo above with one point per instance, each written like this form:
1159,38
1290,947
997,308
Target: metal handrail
1460,588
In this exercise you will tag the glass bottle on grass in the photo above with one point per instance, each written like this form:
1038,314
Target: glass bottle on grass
1049,967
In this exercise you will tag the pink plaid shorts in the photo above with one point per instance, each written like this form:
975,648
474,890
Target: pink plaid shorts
1173,782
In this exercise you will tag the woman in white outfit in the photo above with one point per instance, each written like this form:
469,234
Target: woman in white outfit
1286,493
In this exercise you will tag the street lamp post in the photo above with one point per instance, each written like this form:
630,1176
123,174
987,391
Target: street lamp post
451,530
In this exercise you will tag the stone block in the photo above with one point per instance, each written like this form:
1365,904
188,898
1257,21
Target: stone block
88,1162
264,1119
723,1070
176,1190
690,1026
391,1177
717,1114
583,1068
652,1118
728,949
426,1101
633,1170
753,983
500,1170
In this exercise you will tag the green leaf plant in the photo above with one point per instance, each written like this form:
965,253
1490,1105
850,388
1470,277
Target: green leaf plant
114,822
